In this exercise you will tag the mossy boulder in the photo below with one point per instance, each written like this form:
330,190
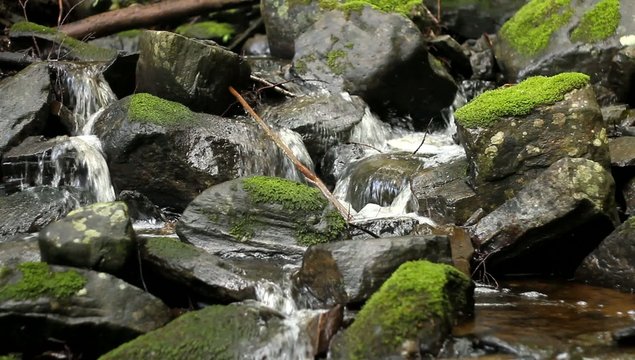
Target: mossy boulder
414,309
513,133
260,214
98,236
207,30
546,37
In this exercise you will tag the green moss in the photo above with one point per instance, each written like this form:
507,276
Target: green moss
171,248
25,26
242,228
10,357
403,7
291,195
530,29
207,30
518,100
334,60
598,23
335,227
151,109
38,280
405,303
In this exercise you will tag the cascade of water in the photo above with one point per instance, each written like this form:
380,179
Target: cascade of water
370,131
295,143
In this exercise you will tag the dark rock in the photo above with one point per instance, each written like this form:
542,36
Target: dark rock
323,327
628,191
28,115
39,303
382,227
285,20
203,275
195,80
612,263
482,60
259,216
349,52
32,209
456,57
622,151
98,236
625,337
349,272
337,159
18,249
140,208
30,163
126,42
552,223
280,71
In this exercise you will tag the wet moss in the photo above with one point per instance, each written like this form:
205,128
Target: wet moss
599,23
171,248
335,229
38,280
25,26
207,30
242,228
403,7
530,29
334,60
151,109
291,195
518,100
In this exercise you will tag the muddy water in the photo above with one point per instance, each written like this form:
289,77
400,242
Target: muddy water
537,319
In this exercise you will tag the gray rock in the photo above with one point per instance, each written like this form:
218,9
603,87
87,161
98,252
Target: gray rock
612,263
98,236
199,80
350,52
28,115
552,223
30,163
285,20
40,302
628,191
140,208
622,151
18,249
206,276
349,272
383,227
337,159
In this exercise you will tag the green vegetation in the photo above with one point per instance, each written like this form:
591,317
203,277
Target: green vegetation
290,194
334,61
518,100
207,30
415,295
25,26
335,227
151,109
598,23
38,280
530,29
403,7
171,248
242,228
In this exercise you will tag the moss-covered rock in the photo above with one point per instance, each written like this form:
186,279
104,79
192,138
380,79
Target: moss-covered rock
397,6
38,281
419,303
148,108
598,23
207,30
290,194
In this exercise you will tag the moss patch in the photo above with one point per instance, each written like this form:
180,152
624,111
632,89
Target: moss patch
242,228
25,26
207,30
598,23
334,60
530,29
335,227
38,280
518,100
151,109
170,248
290,194
403,7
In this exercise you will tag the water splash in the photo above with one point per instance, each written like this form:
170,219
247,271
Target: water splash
370,131
296,144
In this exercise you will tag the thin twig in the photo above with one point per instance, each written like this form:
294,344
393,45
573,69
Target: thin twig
270,85
366,145
424,136
308,174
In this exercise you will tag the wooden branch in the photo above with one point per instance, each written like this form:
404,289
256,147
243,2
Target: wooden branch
134,17
308,174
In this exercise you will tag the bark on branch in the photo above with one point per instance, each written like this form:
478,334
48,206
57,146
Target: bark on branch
141,16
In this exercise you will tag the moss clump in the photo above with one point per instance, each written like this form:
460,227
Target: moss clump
291,195
414,296
334,60
170,248
25,26
151,109
518,100
395,6
335,227
38,280
207,30
529,30
598,23
242,228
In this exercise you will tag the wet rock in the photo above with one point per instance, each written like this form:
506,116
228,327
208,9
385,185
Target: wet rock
622,151
98,236
457,58
552,223
18,249
382,227
257,45
625,337
337,159
126,42
284,21
203,275
565,37
323,327
349,272
349,52
482,58
32,209
31,163
628,191
612,263
40,302
242,330
323,120
140,208
512,134
279,71
440,293
199,80
27,116
259,216
170,154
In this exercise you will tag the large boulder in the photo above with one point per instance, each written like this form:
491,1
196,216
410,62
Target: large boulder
39,302
612,263
19,249
192,72
98,236
546,37
28,115
512,134
171,154
386,65
260,215
349,272
552,223
410,315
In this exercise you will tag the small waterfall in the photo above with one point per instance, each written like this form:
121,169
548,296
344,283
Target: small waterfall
295,143
370,131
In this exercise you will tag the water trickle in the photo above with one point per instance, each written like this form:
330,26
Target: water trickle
370,131
295,143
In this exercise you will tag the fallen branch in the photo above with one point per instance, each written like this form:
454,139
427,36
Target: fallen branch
134,17
308,174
